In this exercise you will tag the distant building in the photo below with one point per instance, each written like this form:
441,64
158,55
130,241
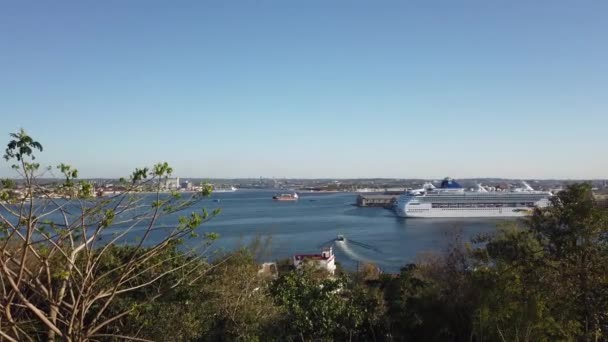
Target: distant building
171,183
187,185
326,260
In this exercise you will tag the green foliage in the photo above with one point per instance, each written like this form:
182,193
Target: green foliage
222,301
573,233
207,189
139,175
107,218
236,296
548,280
5,196
61,280
85,190
68,172
514,303
162,170
22,145
7,184
175,306
211,236
316,307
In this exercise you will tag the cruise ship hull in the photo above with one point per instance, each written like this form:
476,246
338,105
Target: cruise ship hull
463,213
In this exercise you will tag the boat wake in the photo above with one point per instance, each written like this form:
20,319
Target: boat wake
343,246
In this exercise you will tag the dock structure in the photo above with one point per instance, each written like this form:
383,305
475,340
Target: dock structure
383,200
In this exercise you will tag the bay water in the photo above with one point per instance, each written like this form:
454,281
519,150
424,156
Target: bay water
316,219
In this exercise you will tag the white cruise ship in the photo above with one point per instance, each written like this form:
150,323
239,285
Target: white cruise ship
451,200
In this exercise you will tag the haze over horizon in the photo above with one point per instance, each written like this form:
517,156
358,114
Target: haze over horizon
314,89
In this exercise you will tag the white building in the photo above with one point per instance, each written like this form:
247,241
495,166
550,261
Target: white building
171,183
326,260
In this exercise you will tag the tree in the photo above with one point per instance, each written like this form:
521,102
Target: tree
237,301
315,307
61,274
514,302
365,296
573,233
547,280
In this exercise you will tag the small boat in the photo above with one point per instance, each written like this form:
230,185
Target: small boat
340,237
286,197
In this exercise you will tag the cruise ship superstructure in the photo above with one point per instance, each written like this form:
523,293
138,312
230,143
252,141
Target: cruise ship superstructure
451,200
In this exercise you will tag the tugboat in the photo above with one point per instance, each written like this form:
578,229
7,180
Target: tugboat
286,197
340,237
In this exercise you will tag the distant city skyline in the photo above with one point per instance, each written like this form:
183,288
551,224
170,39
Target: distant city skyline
311,89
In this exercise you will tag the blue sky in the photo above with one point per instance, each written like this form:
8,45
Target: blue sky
311,88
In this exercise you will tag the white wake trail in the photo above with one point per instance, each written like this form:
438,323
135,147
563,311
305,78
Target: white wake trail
348,251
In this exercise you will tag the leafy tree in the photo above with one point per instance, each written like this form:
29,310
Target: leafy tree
58,280
514,302
235,294
548,279
573,233
367,299
314,306
162,311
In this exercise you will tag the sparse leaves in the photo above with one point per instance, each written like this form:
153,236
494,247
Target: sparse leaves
207,189
139,175
7,184
21,146
162,170
67,276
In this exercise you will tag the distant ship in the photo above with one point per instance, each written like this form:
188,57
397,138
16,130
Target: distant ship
451,200
230,189
286,197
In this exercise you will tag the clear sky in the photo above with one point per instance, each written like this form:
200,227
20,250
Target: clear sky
311,88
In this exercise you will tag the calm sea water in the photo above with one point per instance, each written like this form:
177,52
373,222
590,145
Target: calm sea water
315,220
305,225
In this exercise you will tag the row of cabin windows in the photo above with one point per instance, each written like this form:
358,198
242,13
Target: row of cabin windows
487,197
460,209
483,205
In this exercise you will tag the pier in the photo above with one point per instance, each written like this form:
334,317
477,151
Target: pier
376,200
